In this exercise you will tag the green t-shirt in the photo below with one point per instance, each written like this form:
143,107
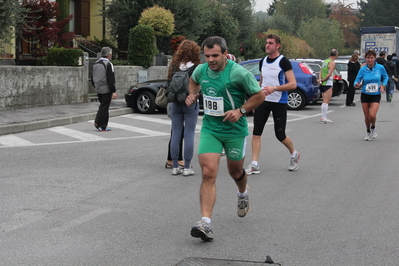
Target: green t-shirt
324,70
222,91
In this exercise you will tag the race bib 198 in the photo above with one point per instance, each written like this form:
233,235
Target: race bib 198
213,105
372,87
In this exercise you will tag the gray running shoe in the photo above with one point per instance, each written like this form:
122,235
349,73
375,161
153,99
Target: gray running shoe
294,162
243,205
252,169
187,172
202,230
373,133
368,137
176,171
325,121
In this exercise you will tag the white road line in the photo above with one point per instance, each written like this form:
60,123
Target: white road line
137,129
155,120
11,140
76,134
21,219
81,220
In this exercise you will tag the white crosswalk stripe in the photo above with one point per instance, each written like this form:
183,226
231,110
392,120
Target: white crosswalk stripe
155,120
136,129
11,140
76,134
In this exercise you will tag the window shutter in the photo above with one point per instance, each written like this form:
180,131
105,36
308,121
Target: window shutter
82,26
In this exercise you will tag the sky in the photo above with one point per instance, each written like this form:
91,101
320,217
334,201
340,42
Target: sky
263,5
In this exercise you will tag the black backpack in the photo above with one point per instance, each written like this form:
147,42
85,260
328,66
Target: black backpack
178,86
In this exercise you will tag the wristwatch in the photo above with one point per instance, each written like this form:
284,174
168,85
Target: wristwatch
243,111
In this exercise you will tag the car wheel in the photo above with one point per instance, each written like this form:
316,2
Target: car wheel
296,100
145,102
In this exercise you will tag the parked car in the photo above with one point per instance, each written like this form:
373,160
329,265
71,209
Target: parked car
141,96
315,64
307,90
342,67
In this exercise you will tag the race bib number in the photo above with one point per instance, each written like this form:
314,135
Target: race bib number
372,87
213,105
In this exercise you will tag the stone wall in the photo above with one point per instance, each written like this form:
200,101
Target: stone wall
32,86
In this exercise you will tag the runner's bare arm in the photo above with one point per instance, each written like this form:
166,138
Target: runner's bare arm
193,92
254,101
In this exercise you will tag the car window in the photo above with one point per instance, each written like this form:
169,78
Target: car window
315,67
341,66
253,68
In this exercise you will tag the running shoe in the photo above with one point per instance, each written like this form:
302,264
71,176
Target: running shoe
325,121
187,172
104,129
252,169
368,137
373,133
176,171
294,162
202,230
243,205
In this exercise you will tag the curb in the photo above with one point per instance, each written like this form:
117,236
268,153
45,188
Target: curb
22,127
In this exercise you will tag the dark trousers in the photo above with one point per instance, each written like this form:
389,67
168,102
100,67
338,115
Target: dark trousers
350,94
102,116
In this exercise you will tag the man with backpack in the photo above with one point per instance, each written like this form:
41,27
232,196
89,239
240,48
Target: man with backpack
224,85
103,80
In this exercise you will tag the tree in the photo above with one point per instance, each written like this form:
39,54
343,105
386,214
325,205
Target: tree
291,47
322,35
63,8
123,15
42,29
141,46
160,19
301,10
11,20
349,23
378,13
281,22
272,7
222,24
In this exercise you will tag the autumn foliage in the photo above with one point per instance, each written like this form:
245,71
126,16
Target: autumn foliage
175,41
42,29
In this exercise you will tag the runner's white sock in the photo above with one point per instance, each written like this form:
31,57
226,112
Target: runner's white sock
207,219
255,163
324,109
242,195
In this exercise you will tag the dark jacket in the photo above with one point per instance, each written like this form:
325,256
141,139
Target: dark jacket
390,67
353,68
380,60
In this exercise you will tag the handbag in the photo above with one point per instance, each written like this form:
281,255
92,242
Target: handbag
162,97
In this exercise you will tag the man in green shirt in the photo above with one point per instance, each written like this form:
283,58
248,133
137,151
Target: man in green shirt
326,84
224,85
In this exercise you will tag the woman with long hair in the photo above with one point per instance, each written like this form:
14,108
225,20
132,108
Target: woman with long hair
186,58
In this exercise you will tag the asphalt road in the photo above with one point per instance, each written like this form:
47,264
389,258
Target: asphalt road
73,196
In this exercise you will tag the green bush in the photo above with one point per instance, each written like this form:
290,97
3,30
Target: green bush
120,62
142,46
60,56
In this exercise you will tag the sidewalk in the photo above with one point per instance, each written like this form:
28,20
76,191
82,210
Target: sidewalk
20,120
